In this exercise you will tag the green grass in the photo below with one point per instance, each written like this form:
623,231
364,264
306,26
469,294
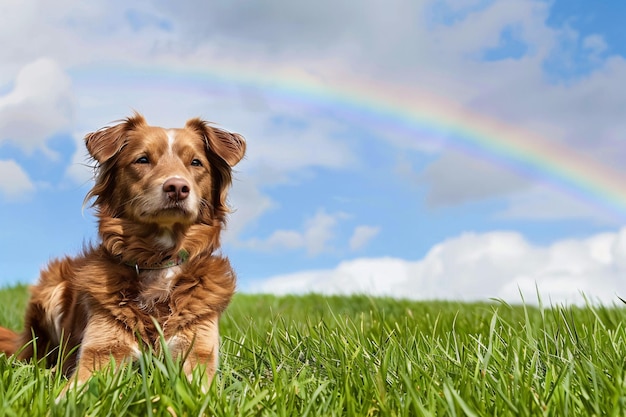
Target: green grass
356,356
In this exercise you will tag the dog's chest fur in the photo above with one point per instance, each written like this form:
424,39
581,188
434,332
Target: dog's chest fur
155,287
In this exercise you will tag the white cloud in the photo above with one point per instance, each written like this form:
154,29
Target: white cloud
40,105
362,235
280,27
316,236
371,276
478,267
14,181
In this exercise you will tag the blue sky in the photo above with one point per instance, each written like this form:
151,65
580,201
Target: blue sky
331,199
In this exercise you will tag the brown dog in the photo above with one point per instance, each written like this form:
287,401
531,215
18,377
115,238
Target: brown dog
160,197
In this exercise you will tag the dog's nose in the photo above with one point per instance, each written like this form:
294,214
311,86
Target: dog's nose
176,188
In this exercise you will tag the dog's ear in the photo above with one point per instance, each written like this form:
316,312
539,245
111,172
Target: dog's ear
224,150
105,143
231,147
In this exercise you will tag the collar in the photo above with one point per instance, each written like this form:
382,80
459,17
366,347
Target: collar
181,257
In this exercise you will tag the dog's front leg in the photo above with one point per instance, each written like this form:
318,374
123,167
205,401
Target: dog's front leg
105,342
199,346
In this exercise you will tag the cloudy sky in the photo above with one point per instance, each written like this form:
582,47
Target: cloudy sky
430,149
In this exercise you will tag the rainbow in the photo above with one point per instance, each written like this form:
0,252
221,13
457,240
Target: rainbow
381,105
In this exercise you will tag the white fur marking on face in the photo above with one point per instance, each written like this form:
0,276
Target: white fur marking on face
171,137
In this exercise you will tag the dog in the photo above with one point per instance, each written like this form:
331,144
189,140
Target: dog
156,273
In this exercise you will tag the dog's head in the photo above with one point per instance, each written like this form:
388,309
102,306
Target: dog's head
160,176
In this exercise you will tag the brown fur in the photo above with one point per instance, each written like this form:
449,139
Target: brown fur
98,305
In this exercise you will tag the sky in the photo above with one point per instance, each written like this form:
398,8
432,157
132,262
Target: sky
424,149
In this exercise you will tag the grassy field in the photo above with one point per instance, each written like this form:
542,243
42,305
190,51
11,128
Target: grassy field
356,356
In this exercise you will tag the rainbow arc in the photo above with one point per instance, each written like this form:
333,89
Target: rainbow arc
523,152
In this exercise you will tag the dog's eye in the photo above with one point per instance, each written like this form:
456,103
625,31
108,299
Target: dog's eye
196,163
142,160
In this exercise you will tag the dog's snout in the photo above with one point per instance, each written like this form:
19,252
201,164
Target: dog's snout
176,188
